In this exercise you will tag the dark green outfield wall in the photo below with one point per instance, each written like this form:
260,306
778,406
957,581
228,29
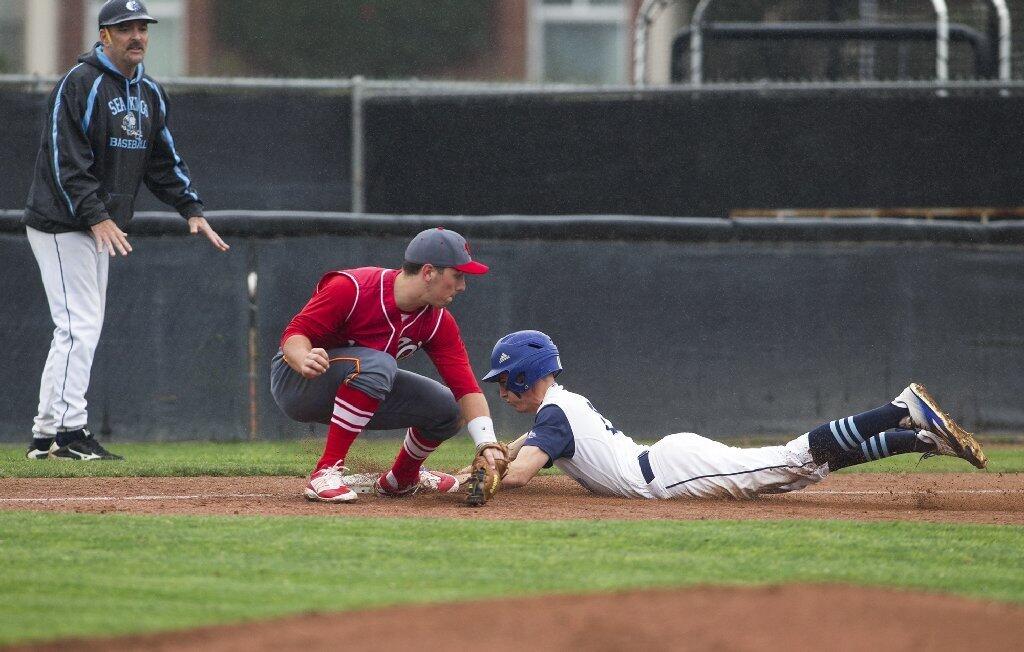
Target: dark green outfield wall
673,152
725,328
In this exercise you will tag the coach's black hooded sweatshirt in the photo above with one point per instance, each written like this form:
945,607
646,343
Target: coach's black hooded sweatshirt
104,135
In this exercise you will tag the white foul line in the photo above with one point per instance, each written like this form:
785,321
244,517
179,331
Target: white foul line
69,499
922,492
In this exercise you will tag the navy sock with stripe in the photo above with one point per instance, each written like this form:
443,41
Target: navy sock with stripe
42,443
69,436
886,444
831,441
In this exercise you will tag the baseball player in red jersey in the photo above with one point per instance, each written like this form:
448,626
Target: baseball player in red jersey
338,365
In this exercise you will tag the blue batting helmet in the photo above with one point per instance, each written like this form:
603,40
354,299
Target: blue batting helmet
526,356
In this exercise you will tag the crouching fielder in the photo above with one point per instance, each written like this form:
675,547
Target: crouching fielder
570,433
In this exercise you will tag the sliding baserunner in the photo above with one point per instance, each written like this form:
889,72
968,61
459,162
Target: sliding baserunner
571,434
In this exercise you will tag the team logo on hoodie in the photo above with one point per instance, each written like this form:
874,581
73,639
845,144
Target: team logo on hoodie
130,126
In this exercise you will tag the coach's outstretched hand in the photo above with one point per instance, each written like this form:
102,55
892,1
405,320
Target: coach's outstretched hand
197,223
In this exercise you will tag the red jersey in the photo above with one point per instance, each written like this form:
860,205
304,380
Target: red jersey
356,307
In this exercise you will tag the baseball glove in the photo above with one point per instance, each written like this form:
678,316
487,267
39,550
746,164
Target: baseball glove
484,481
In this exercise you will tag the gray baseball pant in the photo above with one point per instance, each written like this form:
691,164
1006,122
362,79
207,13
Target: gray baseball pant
407,399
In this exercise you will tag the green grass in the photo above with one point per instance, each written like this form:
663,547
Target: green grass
1001,459
291,457
144,573
296,458
118,574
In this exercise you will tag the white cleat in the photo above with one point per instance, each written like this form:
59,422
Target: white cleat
364,483
438,481
942,447
328,486
935,426
361,483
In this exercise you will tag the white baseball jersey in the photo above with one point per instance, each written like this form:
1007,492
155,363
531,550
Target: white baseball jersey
586,446
590,450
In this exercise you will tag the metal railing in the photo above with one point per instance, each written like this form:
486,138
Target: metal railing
650,10
986,57
374,88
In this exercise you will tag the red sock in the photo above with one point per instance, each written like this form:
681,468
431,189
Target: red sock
352,410
415,448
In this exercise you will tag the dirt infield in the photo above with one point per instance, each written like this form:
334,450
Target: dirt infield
791,617
787,617
947,497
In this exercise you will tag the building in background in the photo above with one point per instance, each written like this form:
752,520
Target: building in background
581,41
590,41
565,41
45,37
12,35
573,41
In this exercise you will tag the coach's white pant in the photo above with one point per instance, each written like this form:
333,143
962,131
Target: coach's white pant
686,464
75,279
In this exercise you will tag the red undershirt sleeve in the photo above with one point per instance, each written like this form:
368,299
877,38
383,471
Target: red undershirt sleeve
448,352
324,315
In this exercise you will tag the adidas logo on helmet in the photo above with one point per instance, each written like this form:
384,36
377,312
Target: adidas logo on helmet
504,357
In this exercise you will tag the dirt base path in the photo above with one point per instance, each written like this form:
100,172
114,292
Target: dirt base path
788,617
704,618
948,497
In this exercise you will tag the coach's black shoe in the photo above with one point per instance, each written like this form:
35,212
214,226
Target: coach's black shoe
39,449
80,445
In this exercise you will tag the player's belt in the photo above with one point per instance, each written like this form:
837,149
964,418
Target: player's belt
645,466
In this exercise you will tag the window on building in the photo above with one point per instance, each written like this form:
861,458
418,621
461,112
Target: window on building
12,35
578,41
167,55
